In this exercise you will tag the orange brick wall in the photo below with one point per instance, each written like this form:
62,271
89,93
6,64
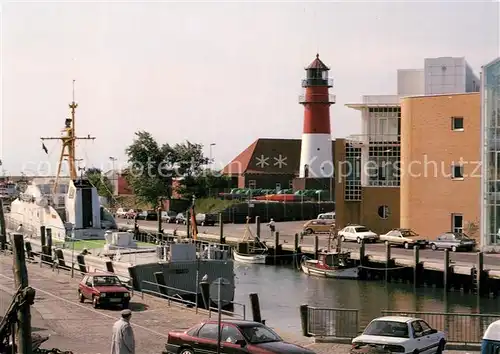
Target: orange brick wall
429,147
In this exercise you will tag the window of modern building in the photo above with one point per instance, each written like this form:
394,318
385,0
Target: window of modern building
457,171
457,123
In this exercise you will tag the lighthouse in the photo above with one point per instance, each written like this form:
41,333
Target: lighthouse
316,160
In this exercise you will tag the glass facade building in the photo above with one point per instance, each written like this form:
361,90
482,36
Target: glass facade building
490,116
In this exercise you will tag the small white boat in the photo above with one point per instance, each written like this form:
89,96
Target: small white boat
249,258
330,265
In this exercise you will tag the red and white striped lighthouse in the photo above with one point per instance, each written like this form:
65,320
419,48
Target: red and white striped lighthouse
316,160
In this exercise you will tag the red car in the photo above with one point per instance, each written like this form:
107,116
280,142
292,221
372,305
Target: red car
103,289
237,336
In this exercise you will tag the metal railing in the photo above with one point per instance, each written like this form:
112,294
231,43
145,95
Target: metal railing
316,98
327,322
317,82
172,294
461,328
458,327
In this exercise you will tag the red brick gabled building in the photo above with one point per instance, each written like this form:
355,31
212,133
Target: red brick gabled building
267,163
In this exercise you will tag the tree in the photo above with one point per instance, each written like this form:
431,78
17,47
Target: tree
189,159
202,184
151,168
100,182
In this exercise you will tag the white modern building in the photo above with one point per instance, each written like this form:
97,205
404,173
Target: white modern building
490,116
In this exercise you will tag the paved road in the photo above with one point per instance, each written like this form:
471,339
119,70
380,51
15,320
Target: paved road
288,229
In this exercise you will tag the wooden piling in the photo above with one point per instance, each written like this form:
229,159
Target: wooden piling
222,240
276,246
255,305
446,270
481,286
296,250
257,226
160,229
387,261
21,280
362,261
316,246
417,266
3,232
42,235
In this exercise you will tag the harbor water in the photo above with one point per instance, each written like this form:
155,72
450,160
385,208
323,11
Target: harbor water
283,289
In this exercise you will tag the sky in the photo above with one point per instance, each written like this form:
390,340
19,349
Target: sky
224,73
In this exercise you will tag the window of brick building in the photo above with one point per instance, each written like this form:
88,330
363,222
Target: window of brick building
457,172
457,123
252,184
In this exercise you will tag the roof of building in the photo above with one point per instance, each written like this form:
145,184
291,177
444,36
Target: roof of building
441,95
268,156
318,64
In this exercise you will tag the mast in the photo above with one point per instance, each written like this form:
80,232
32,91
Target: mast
68,139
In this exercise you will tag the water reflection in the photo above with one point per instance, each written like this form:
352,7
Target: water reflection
282,290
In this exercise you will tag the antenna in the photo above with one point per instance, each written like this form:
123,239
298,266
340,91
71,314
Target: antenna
74,90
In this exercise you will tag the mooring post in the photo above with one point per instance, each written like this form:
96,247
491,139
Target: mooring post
304,316
222,240
296,250
21,280
254,303
362,261
3,232
276,246
160,210
257,226
480,274
205,293
387,261
446,269
42,236
416,266
316,246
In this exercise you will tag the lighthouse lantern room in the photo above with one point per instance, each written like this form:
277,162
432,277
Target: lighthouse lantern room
316,160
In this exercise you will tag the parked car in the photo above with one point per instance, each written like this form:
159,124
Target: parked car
103,289
403,237
237,336
328,217
168,216
357,233
454,241
181,218
206,219
400,334
131,213
317,226
148,215
120,213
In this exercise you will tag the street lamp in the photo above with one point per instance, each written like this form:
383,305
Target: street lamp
211,145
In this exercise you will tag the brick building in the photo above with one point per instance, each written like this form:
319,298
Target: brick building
269,163
379,193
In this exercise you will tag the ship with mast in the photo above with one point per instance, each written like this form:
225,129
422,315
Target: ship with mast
69,205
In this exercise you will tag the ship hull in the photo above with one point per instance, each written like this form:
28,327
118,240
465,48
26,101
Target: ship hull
309,267
249,258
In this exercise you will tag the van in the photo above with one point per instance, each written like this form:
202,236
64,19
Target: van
328,217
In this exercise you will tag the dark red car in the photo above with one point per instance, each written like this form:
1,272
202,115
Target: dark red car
103,289
237,336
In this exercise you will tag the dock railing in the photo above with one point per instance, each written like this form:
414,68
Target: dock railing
334,323
174,296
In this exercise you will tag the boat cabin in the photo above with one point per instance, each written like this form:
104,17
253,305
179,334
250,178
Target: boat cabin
491,339
334,259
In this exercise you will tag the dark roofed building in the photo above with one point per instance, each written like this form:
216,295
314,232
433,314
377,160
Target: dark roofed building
267,163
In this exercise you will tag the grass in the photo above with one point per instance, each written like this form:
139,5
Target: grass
91,244
213,205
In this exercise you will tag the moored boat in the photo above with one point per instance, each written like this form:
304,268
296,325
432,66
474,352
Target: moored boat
249,258
331,265
251,249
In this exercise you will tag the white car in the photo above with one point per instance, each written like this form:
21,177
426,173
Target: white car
403,237
399,334
120,213
357,233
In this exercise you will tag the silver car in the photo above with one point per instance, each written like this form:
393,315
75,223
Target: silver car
453,241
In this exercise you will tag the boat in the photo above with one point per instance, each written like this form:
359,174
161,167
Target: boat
251,249
68,206
331,265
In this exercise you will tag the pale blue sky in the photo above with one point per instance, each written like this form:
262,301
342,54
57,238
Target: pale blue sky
227,73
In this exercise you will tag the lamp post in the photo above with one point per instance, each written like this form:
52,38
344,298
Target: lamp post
115,177
211,146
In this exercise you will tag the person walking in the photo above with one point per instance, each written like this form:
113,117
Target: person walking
272,226
122,341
